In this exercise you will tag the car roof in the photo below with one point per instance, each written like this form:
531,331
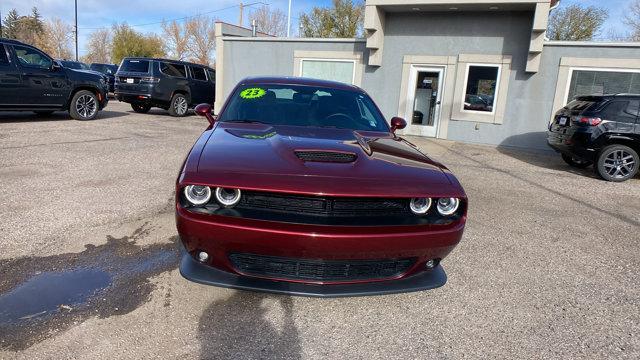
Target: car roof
294,80
168,60
608,96
12,41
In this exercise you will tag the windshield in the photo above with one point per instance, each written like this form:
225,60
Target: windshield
135,66
74,65
300,105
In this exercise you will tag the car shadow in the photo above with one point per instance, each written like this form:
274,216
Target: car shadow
532,149
238,327
28,116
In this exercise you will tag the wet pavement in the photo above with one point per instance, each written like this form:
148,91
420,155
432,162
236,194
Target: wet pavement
547,267
60,290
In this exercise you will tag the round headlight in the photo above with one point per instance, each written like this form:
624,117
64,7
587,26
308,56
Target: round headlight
448,206
227,197
420,206
197,194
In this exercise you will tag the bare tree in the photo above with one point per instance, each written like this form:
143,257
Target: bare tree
57,39
576,23
177,39
272,22
632,20
201,33
100,47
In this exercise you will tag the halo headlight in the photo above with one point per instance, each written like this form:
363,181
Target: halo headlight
420,206
197,194
448,206
228,197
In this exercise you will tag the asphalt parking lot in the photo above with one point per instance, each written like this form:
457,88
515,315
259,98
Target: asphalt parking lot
548,266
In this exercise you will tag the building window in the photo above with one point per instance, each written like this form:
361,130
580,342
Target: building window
481,87
329,69
598,82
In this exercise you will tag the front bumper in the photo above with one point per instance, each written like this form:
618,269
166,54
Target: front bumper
221,236
203,274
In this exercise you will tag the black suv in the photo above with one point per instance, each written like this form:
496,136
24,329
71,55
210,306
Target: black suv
109,70
172,85
32,81
603,130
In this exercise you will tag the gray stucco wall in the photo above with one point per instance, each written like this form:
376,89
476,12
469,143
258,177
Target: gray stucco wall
245,58
530,96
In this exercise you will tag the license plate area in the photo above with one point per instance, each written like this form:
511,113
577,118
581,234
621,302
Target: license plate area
563,120
129,81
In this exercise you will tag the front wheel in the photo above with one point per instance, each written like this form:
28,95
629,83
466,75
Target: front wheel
141,108
575,162
84,105
179,105
618,163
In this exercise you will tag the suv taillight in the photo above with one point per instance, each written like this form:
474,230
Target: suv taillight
591,121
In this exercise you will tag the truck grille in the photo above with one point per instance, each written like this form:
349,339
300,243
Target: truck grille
319,270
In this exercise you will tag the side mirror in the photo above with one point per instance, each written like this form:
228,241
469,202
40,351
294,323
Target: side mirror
397,123
205,110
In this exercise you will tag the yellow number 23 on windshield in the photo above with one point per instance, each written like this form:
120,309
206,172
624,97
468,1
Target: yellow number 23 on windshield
252,93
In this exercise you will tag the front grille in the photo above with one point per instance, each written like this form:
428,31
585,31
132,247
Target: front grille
310,205
319,270
326,156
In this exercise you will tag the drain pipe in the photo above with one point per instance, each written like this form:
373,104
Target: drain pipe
254,28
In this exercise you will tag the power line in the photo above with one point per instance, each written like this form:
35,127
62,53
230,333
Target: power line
160,22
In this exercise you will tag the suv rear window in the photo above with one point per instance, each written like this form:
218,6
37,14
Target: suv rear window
135,66
198,73
173,69
580,105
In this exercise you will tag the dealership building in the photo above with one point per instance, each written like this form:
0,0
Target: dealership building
465,70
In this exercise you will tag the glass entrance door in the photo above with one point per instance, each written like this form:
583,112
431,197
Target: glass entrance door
423,100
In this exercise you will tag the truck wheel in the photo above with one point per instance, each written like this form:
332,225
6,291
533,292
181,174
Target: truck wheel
141,108
179,105
84,105
617,163
575,162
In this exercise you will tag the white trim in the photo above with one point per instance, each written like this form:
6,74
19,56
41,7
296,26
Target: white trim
595,69
592,44
353,72
275,39
411,95
495,96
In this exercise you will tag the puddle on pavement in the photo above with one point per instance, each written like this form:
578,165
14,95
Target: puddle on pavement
50,292
40,296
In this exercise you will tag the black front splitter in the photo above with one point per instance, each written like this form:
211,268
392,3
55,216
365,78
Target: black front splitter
203,274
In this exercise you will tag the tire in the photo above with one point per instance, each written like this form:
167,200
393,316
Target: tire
617,163
141,108
179,105
575,162
84,105
43,112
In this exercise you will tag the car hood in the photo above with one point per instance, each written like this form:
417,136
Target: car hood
263,157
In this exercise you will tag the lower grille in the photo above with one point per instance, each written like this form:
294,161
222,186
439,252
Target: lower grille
319,270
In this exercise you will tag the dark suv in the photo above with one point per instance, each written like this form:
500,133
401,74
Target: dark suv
172,85
601,130
109,70
32,81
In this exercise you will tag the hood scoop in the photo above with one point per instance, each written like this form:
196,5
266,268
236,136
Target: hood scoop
326,156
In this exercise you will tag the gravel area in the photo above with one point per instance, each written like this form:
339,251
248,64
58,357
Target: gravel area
547,268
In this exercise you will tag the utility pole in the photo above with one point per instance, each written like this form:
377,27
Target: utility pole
76,30
241,14
289,21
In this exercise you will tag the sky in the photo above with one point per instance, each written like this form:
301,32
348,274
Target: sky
148,13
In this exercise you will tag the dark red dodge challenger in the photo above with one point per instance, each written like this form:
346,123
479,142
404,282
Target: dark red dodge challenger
300,186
